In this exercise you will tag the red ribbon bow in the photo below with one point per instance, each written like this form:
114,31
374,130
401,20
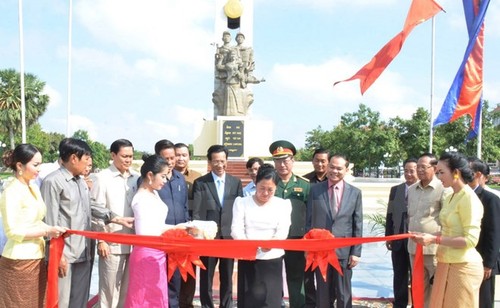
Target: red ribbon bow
321,258
181,260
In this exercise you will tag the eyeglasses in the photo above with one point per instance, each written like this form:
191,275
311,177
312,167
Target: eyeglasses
283,161
423,167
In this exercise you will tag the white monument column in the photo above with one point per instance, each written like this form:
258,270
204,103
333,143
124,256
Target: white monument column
243,136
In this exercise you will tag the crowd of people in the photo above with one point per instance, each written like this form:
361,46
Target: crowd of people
444,203
447,206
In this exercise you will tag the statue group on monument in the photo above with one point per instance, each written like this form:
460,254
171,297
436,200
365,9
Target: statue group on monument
234,66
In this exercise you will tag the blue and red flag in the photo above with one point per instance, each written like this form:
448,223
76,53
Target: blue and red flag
465,94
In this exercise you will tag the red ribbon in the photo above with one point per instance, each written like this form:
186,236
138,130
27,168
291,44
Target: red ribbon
321,259
185,250
181,260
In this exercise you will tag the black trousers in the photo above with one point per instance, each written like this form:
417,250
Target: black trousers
188,289
336,288
310,289
401,267
487,293
174,289
260,283
225,278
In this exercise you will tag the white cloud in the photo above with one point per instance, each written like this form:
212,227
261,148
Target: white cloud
54,96
314,84
78,122
98,60
170,30
328,4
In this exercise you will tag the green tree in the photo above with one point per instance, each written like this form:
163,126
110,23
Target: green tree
368,141
413,134
47,143
100,153
10,101
362,136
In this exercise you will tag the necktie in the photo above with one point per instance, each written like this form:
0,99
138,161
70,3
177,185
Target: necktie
220,192
333,201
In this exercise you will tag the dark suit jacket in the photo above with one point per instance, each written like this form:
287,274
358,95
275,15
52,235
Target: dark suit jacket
207,206
348,222
397,214
489,238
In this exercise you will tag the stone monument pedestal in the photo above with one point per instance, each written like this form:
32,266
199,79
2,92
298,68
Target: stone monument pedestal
244,137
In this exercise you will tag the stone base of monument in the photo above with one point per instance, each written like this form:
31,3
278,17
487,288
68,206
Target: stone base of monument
244,137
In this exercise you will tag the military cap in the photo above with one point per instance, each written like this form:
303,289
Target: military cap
282,148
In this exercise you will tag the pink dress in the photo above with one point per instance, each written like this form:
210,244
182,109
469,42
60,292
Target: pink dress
148,286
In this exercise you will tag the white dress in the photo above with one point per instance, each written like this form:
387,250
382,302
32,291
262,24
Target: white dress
148,286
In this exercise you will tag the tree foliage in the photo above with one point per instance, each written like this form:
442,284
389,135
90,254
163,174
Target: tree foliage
10,101
100,154
370,142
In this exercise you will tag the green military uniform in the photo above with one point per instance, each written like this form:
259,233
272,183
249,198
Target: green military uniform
296,190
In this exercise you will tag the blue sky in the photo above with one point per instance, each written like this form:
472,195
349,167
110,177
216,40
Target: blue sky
143,70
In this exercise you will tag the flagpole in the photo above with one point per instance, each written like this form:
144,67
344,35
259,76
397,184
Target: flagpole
21,57
431,131
480,132
70,31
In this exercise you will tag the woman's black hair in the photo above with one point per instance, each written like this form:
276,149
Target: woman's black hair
457,161
267,172
152,163
23,154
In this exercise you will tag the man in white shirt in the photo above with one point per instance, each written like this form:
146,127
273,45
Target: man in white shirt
114,188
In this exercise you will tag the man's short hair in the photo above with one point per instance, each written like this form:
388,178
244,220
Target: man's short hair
254,160
410,160
477,165
321,151
162,145
433,158
118,144
216,148
181,145
70,146
340,155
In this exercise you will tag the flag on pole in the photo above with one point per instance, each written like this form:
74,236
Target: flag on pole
465,94
420,11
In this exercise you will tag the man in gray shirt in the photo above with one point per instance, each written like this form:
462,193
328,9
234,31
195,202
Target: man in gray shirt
67,198
68,204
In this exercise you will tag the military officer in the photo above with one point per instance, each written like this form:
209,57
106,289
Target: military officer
296,189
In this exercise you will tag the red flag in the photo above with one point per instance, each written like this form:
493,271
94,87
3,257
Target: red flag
420,11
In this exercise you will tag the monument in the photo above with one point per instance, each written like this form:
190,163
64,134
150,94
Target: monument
234,66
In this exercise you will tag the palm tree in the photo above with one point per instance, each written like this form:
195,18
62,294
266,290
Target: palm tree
10,101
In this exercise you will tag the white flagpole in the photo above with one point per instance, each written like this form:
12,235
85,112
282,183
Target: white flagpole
21,57
431,132
70,31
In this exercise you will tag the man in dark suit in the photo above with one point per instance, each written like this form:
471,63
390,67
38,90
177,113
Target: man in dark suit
489,238
336,206
213,198
396,222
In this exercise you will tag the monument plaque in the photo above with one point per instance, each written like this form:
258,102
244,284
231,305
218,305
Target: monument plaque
232,137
